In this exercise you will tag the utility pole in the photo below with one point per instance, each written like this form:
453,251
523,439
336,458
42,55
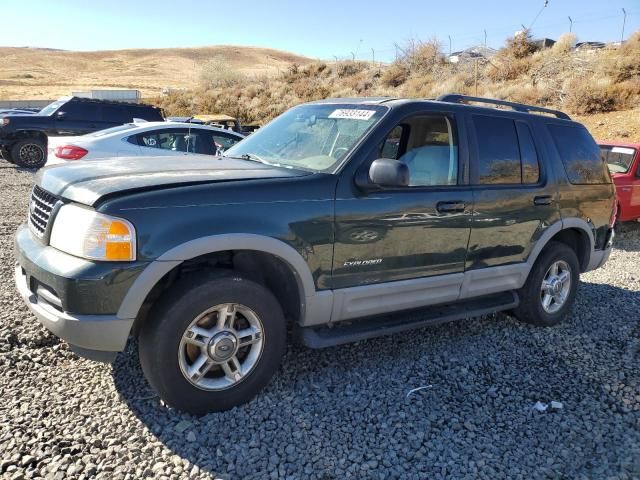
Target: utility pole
373,57
624,21
353,56
476,77
570,24
449,44
485,38
336,60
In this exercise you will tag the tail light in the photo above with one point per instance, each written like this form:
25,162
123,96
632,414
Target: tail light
70,152
614,214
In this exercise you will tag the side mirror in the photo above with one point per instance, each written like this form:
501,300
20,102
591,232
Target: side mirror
385,173
61,115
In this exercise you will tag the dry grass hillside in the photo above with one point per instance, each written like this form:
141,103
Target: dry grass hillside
33,73
599,87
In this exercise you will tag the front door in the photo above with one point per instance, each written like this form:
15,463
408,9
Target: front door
407,233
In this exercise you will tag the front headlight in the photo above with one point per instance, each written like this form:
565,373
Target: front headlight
88,234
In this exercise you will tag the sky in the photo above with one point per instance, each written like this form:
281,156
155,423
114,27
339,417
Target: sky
326,29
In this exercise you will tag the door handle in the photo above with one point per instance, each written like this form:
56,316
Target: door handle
449,207
543,200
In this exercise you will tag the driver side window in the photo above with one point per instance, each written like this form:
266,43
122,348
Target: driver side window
427,144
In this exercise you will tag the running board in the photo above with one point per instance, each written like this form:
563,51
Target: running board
350,331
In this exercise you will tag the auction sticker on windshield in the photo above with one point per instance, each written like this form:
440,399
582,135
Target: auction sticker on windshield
352,114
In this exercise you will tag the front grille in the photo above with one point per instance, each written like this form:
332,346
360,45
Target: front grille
40,208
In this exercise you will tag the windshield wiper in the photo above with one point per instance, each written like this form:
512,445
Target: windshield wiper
252,157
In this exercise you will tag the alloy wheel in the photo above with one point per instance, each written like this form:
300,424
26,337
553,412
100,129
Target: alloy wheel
221,346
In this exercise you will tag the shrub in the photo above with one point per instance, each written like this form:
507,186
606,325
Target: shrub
216,73
564,44
347,69
520,45
395,75
586,97
624,63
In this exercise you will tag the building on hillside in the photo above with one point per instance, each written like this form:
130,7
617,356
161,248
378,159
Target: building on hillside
472,53
589,45
543,42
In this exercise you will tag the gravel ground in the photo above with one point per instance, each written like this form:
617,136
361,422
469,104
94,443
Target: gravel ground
343,412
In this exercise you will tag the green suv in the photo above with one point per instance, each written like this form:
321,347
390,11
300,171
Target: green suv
341,220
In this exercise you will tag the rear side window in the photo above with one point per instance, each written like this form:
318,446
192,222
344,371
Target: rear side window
498,151
580,155
145,112
115,114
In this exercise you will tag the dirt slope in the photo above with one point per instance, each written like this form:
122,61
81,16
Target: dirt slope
31,73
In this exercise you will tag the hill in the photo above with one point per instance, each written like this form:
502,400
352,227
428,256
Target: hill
32,73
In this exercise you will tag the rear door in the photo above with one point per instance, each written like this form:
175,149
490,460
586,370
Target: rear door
514,192
414,232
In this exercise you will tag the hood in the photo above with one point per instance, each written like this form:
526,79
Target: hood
87,182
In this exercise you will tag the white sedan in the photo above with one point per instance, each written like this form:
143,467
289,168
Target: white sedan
142,139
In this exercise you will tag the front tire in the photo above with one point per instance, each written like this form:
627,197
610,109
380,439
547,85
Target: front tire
550,290
29,153
212,343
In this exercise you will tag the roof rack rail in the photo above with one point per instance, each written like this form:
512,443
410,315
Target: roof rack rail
519,107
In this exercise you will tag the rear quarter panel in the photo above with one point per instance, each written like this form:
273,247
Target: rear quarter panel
592,203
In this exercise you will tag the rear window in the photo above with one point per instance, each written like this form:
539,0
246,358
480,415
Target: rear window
580,155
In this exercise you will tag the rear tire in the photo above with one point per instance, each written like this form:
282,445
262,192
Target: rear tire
29,153
212,343
550,290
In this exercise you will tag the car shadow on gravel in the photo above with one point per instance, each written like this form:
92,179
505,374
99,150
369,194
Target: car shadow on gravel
485,373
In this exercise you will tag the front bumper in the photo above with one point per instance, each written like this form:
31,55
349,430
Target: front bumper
98,337
75,299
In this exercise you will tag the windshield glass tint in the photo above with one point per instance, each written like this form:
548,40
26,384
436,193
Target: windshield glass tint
312,137
618,159
52,107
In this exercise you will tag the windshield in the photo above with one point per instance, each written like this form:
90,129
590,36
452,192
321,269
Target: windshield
310,137
618,159
52,107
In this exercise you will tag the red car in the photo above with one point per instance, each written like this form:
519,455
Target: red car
623,160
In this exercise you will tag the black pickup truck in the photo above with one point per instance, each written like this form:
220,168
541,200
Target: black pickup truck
340,220
23,138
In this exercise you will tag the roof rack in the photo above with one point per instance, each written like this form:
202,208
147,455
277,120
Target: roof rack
519,107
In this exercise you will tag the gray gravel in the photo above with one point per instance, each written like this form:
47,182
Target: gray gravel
343,412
